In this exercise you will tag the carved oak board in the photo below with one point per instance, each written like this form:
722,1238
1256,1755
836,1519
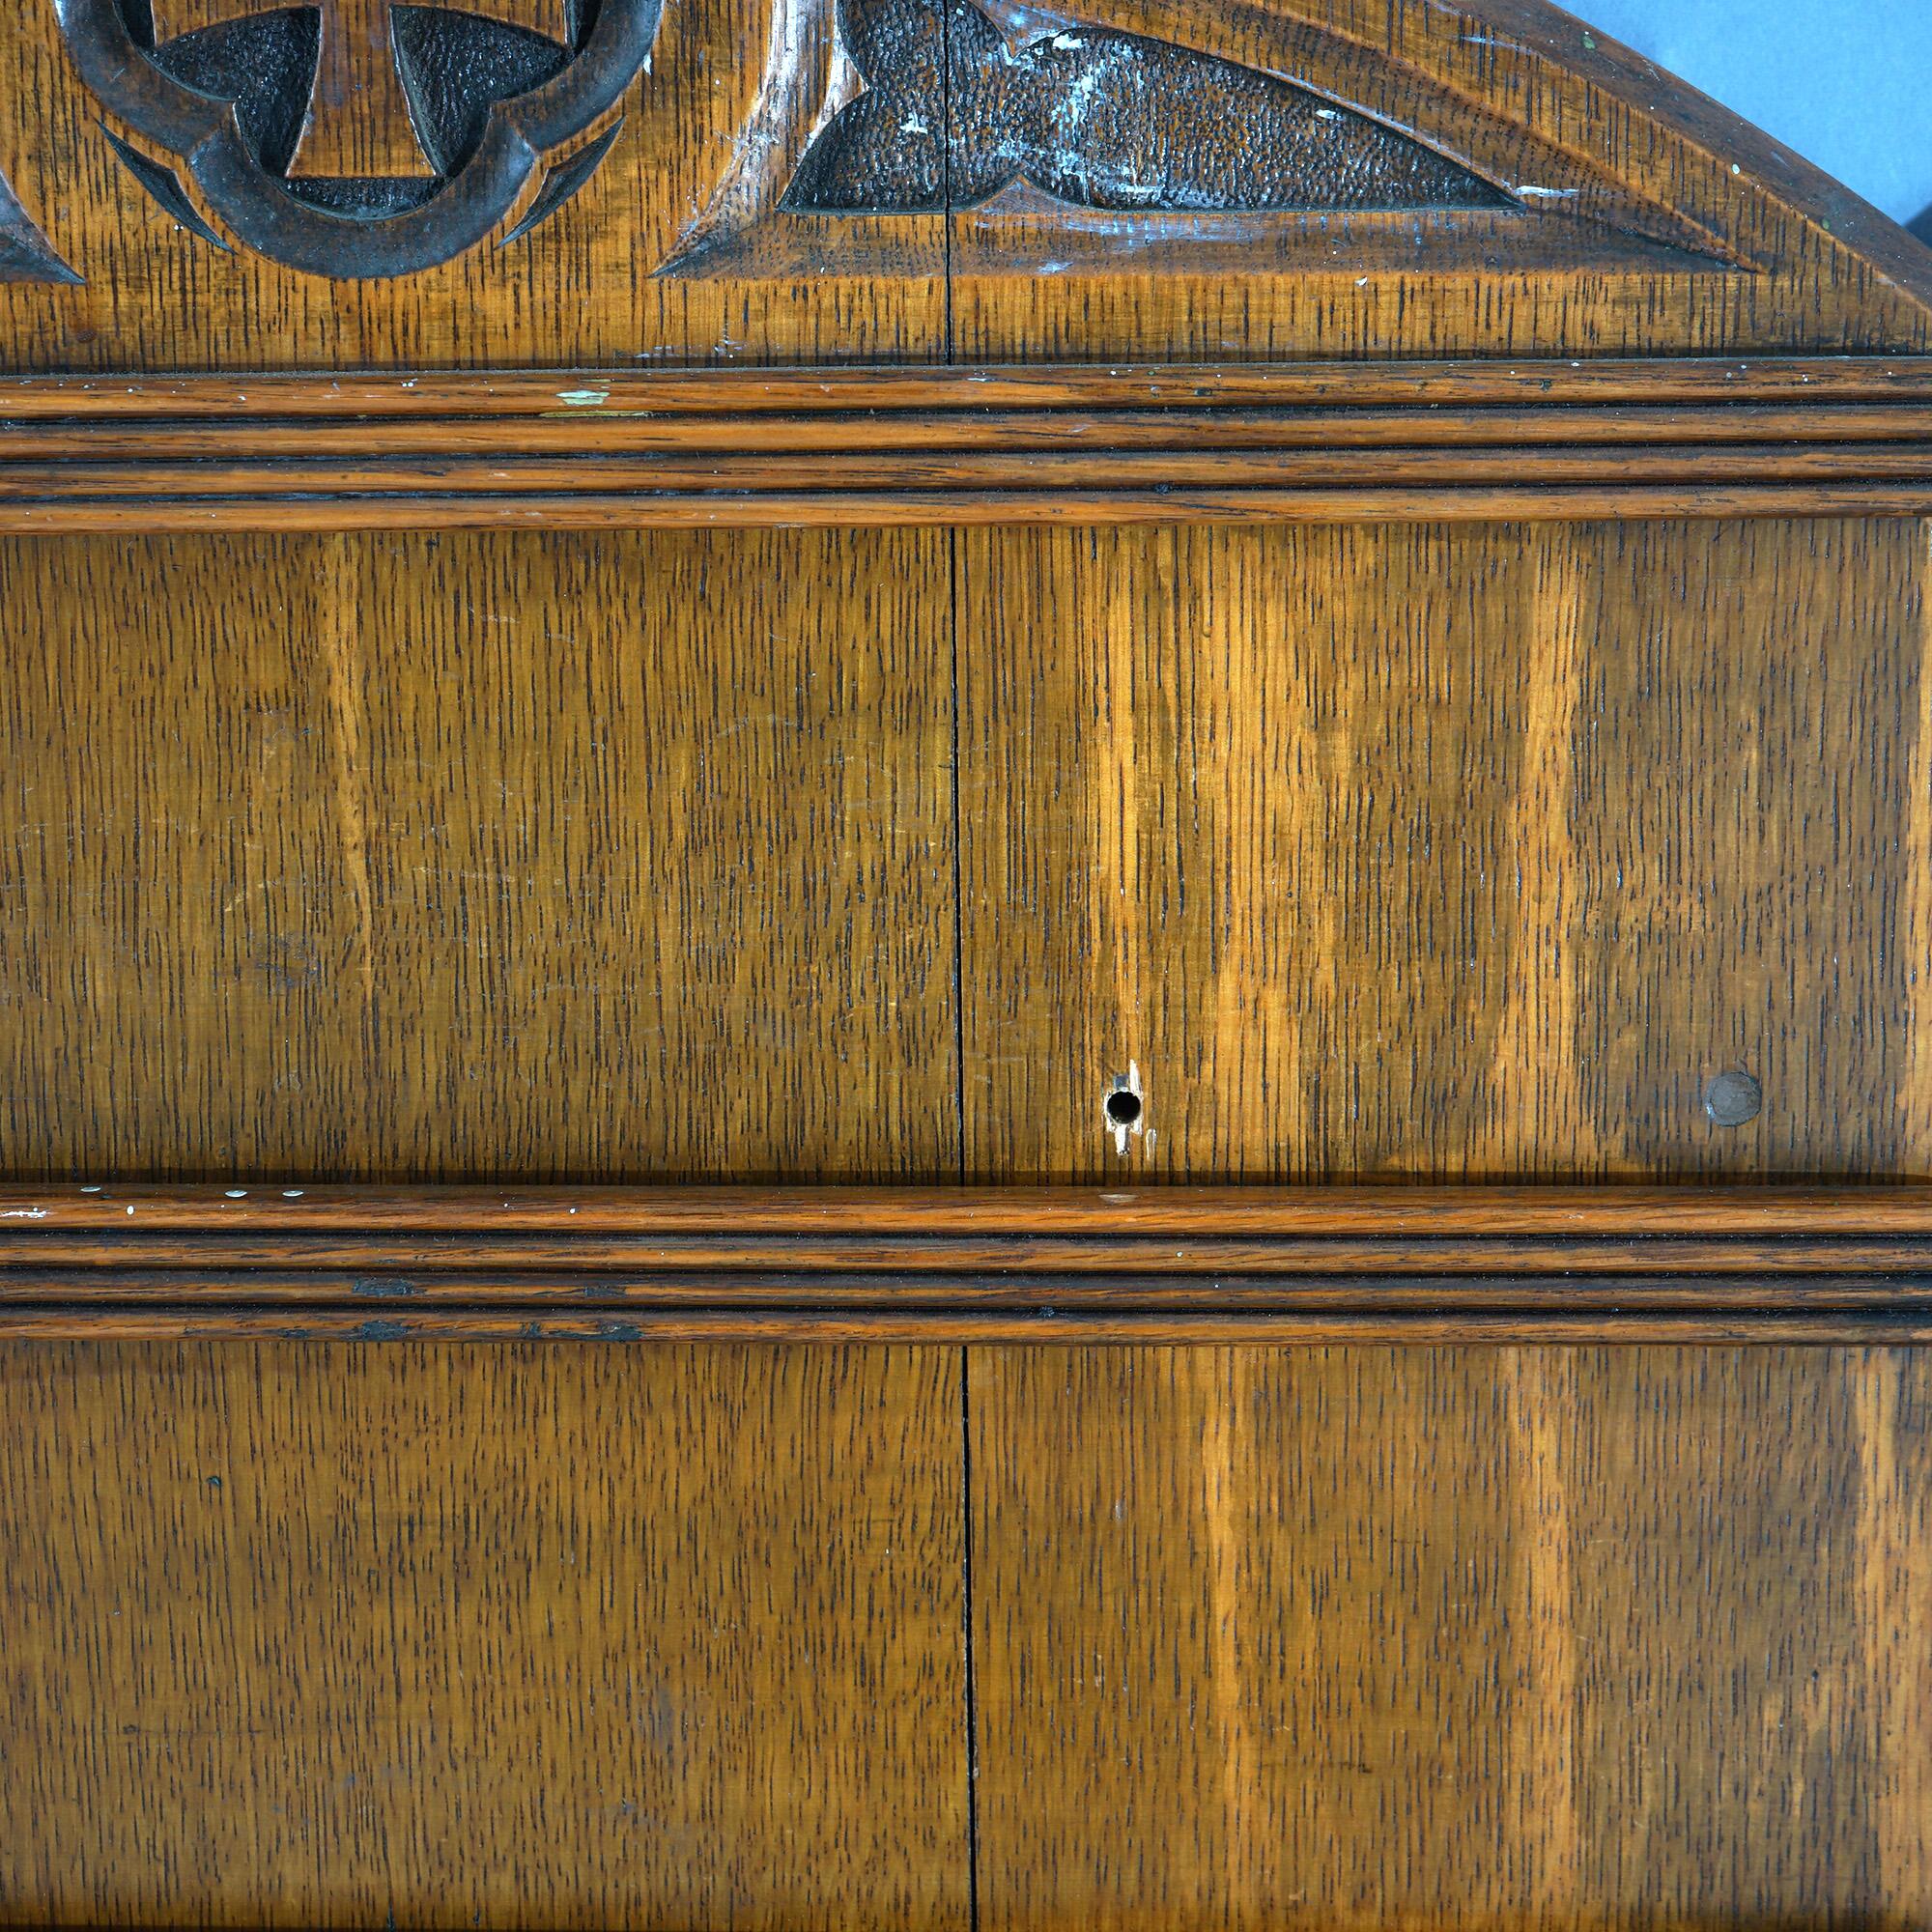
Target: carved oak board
959,966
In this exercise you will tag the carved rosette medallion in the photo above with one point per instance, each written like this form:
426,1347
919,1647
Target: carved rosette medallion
358,137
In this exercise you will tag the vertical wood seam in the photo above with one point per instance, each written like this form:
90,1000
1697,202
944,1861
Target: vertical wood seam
1914,1129
952,567
969,1633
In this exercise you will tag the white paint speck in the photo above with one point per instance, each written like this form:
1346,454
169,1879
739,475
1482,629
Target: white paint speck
1069,43
583,399
291,1194
235,1193
23,1213
94,1189
1551,193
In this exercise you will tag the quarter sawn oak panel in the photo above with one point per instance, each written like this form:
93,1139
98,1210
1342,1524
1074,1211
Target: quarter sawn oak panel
1527,1639
521,856
1455,853
523,1636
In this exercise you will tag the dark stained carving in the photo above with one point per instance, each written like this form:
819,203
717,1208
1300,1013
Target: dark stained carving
26,255
353,137
164,185
1096,119
563,182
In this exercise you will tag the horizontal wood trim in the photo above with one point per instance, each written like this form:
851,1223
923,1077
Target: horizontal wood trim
1190,427
624,1264
925,509
1165,1328
1641,1265
976,475
871,446
591,395
1615,1213
1098,1289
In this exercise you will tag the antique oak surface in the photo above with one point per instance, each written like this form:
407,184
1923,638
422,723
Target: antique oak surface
959,966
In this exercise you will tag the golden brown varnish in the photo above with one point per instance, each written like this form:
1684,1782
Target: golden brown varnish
1445,852
481,857
1778,258
1528,1639
1755,1267
791,1556
535,1636
631,857
583,289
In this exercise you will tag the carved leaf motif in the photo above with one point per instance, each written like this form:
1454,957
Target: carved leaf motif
1096,119
26,255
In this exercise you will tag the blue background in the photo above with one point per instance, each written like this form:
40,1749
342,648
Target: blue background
1848,83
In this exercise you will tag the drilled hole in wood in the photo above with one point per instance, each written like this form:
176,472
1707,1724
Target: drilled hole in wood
1123,1108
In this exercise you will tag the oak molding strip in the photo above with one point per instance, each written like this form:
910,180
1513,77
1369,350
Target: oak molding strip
1706,1266
952,446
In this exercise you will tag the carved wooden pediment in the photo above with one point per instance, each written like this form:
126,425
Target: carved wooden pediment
198,186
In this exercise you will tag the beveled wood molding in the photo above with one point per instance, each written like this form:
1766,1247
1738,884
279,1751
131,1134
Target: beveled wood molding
1518,1264
958,446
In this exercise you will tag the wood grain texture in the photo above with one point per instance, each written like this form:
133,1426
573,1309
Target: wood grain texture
1763,1267
1528,95
581,290
964,447
1154,504
1176,399
1636,219
1851,1318
1475,852
24,253
92,1215
485,857
1534,1639
515,1636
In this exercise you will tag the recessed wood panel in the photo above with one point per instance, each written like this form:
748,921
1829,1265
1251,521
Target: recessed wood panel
1481,852
1528,1639
518,1636
531,856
